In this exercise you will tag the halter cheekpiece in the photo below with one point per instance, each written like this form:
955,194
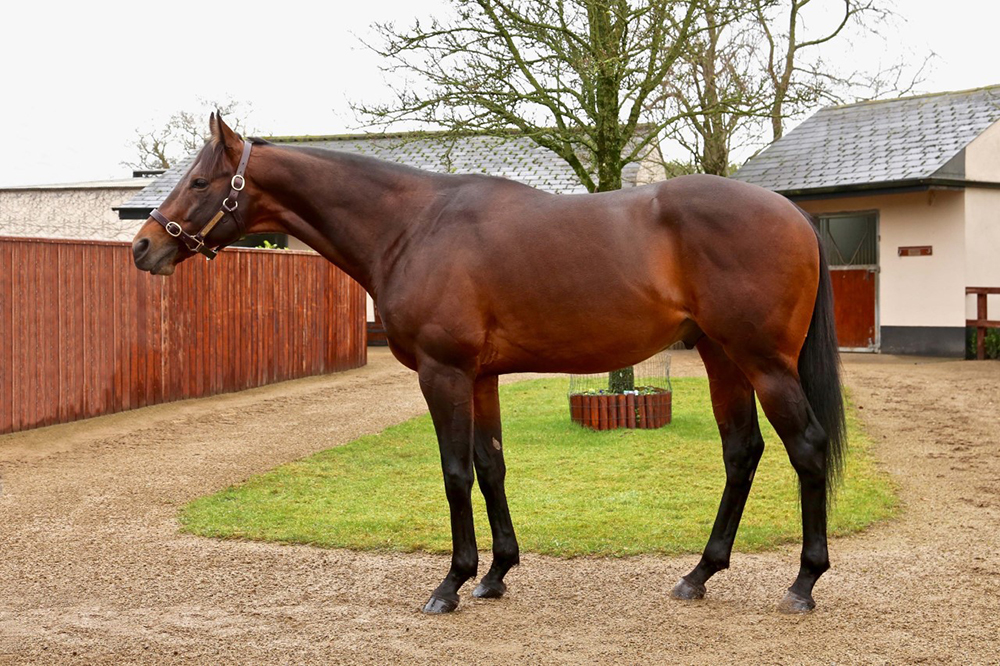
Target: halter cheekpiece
196,242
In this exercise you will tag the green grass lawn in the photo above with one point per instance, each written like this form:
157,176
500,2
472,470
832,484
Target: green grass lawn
571,491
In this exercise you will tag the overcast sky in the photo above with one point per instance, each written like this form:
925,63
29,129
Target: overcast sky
77,79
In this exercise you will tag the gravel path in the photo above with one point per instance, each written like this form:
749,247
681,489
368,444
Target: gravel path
92,568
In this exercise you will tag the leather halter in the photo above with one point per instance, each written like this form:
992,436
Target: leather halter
196,242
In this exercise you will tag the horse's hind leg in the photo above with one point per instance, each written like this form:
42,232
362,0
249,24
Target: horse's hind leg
742,446
784,402
490,471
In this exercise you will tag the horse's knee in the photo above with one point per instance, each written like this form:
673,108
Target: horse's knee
457,483
491,475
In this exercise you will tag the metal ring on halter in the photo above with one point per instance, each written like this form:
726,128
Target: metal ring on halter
243,182
171,227
225,205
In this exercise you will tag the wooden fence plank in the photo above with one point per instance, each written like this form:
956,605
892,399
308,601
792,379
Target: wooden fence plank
6,338
50,340
33,348
120,355
17,339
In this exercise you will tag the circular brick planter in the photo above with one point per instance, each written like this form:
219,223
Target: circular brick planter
610,411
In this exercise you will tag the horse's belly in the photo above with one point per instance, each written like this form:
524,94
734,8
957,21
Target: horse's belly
557,341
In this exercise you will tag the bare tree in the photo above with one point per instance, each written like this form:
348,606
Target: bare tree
754,64
183,134
716,87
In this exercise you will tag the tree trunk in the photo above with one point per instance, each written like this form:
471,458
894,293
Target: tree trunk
715,153
610,176
777,129
622,380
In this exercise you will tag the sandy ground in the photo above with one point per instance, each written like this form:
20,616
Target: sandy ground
92,568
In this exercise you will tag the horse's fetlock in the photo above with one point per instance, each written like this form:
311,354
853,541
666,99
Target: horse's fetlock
506,553
464,567
815,560
715,558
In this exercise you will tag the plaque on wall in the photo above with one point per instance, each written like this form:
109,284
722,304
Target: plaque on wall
916,250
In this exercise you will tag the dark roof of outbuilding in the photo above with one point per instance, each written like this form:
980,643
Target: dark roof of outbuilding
890,142
515,157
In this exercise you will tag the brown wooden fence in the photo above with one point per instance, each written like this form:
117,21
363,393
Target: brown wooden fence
982,320
83,332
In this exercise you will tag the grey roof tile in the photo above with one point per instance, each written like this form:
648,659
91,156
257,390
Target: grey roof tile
885,141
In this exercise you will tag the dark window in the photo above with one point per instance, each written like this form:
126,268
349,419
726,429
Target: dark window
850,240
257,240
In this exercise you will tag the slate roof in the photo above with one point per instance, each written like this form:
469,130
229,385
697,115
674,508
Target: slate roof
889,143
516,157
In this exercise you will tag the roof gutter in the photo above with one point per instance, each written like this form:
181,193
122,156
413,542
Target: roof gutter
886,187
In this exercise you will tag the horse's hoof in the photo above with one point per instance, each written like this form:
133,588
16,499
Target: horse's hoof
439,606
487,590
794,604
687,591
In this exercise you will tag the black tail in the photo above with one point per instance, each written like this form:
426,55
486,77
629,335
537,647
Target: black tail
819,371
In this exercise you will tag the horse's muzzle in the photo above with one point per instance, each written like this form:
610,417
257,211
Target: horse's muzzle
158,260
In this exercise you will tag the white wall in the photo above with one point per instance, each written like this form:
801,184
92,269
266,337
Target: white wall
982,243
982,156
295,244
915,291
66,212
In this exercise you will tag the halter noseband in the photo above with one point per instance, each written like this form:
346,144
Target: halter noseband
196,242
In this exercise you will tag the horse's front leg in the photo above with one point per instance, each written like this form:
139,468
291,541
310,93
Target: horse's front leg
490,470
449,395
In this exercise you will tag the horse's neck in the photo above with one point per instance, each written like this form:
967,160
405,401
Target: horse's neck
351,211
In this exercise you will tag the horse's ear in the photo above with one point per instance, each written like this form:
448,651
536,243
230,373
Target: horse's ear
213,128
221,133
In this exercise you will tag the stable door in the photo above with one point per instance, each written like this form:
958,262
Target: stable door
851,242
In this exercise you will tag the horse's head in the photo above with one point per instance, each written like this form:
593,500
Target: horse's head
205,211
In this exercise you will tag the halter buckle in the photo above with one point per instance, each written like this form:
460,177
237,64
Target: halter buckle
173,229
243,182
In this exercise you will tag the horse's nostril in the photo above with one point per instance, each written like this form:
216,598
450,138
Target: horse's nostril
140,247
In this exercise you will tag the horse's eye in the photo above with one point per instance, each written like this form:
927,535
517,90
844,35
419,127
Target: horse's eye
199,183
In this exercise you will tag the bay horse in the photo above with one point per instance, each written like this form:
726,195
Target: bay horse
477,276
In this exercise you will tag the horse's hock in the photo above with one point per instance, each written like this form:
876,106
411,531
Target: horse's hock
647,405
